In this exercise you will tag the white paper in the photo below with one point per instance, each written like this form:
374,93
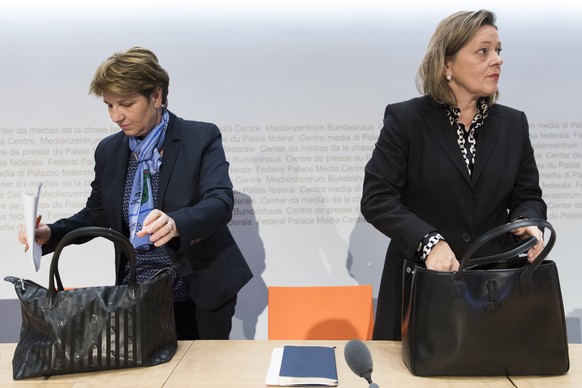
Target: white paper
30,209
274,367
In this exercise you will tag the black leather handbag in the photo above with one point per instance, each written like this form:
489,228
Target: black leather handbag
495,316
94,328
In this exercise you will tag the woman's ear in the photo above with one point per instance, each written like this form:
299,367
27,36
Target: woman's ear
447,71
156,97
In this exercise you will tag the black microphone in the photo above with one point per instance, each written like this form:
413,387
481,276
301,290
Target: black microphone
359,360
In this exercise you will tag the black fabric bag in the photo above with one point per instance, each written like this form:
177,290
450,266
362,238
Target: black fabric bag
94,328
496,316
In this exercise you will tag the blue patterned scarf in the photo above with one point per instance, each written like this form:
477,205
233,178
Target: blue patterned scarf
141,201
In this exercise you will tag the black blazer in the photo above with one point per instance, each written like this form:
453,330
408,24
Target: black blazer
417,182
194,190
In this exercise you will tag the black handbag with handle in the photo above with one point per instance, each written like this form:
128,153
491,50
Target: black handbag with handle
495,316
94,328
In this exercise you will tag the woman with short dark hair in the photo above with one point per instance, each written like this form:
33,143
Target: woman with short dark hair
163,182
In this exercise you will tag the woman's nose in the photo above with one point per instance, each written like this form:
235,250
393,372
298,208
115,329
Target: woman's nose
498,60
115,115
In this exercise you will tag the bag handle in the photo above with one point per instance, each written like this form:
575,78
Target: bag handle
92,231
511,252
521,247
466,261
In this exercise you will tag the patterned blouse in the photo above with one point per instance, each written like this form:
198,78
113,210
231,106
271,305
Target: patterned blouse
157,258
467,139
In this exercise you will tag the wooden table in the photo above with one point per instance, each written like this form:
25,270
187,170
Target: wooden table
155,376
572,379
244,363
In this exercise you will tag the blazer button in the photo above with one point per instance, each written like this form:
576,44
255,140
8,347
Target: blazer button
466,237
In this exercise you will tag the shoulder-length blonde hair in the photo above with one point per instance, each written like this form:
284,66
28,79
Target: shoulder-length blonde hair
136,70
451,34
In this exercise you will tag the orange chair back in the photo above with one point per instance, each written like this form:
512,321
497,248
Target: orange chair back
321,313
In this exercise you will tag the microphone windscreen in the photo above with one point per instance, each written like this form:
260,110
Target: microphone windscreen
358,358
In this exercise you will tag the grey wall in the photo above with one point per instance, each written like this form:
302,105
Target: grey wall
299,90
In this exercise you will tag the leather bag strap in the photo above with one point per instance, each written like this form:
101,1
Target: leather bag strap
91,231
467,261
511,252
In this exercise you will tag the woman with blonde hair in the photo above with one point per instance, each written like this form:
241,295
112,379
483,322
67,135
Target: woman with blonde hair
450,165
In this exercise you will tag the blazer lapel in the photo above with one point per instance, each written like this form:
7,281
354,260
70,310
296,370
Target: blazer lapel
437,122
117,173
488,135
170,152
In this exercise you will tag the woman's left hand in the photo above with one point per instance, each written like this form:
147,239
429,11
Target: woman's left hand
529,231
160,226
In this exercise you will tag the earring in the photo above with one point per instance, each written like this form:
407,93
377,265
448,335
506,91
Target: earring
449,77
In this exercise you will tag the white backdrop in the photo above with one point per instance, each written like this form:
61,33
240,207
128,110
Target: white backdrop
298,89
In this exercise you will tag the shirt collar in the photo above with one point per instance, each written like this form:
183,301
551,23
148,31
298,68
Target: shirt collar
482,112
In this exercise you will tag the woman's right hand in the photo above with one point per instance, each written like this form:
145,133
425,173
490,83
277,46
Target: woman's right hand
441,258
42,234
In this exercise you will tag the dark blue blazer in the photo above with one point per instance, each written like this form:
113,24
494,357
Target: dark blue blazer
194,190
417,182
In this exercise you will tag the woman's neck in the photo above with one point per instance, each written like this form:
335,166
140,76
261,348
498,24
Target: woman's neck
468,112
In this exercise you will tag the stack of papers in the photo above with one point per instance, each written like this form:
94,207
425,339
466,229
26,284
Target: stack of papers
30,209
302,365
